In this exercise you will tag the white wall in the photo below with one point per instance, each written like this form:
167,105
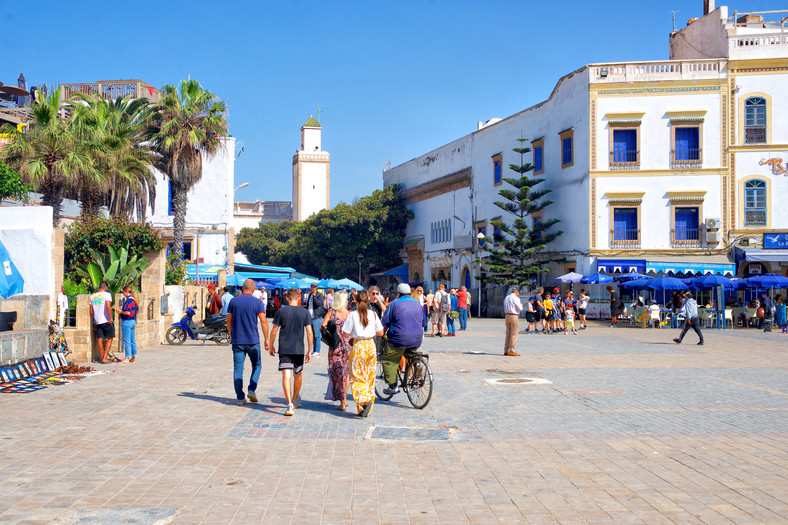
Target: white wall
26,232
314,188
704,38
213,248
747,166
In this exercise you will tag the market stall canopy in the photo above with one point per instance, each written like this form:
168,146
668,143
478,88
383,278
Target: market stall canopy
400,271
292,283
238,278
597,278
328,283
347,283
570,277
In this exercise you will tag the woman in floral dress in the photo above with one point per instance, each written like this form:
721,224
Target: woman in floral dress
339,357
362,326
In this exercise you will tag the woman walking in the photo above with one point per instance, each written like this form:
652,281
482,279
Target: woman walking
128,323
362,326
339,356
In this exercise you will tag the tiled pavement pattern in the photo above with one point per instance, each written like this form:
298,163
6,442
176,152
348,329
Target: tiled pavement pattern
631,429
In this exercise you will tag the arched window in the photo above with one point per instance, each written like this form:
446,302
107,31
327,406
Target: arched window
755,203
755,120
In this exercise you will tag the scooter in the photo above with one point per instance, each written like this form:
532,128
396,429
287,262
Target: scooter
213,328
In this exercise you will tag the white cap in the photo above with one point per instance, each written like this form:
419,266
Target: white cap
403,288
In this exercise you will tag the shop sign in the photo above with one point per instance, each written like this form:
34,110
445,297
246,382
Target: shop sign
754,269
776,166
775,240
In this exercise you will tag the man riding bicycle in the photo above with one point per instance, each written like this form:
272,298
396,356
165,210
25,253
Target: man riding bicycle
405,322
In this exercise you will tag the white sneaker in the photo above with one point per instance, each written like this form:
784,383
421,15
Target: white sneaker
290,410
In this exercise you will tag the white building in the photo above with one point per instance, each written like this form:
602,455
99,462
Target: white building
251,214
653,166
311,167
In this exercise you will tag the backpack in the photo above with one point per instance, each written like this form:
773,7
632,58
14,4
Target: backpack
445,302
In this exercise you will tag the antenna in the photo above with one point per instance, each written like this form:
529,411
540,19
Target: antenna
318,112
673,14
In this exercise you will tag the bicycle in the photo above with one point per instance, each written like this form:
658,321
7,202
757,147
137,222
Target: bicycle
415,378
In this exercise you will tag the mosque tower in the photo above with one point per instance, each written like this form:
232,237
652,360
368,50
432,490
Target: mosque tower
311,167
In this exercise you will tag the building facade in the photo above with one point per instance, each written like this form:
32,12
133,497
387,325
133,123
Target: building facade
662,167
311,173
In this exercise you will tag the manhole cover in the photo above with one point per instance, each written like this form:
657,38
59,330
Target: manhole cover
518,381
409,434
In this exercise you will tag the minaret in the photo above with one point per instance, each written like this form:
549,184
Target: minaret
311,168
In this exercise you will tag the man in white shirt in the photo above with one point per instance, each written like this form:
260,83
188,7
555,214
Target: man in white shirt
101,311
512,308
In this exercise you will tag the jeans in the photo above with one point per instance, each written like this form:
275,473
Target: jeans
239,356
450,324
463,318
316,334
129,337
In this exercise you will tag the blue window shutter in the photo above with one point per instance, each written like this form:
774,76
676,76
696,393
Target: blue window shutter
538,158
170,201
625,224
624,145
497,171
567,150
686,224
687,144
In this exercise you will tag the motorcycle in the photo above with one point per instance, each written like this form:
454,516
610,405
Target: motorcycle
213,329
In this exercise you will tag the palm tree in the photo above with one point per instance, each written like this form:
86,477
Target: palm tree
50,154
186,123
115,129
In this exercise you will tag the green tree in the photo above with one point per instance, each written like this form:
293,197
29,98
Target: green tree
328,244
51,154
519,255
119,152
187,123
11,184
116,268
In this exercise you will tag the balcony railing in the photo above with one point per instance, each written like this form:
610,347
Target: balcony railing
670,70
625,159
755,135
685,238
113,89
624,238
686,158
755,217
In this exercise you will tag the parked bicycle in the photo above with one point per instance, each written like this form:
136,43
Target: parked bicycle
414,377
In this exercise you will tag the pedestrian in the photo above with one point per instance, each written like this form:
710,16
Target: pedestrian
569,313
61,308
452,313
541,312
330,298
405,324
339,355
549,311
214,302
226,298
293,322
614,308
362,326
462,307
315,305
690,312
530,315
376,300
768,310
101,312
582,304
243,313
440,309
128,323
512,308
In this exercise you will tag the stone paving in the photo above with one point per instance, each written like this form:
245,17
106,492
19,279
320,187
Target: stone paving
624,427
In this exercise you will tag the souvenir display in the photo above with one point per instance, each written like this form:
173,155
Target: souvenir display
62,358
50,363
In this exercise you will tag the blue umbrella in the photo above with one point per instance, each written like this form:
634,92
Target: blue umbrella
570,277
769,280
347,283
739,284
293,283
635,284
597,278
328,283
710,281
666,283
631,276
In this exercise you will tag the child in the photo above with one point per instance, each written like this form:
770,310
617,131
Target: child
570,320
549,311
530,315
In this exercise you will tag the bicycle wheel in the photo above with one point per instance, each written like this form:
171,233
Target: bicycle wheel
222,338
380,383
176,336
418,382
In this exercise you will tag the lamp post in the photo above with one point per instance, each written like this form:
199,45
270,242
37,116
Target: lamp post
360,258
479,238
243,185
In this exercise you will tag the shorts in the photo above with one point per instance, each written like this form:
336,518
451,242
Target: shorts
105,331
581,311
531,317
434,317
294,362
548,315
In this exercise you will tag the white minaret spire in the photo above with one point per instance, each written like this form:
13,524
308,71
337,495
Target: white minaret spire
311,172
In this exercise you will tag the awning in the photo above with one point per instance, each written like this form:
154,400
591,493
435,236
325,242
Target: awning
757,255
400,271
260,268
206,270
693,266
620,266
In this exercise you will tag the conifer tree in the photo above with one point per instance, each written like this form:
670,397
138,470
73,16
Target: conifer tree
519,252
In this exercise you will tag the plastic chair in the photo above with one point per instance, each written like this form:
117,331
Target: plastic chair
706,317
729,317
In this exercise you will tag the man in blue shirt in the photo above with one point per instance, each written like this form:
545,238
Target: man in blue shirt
689,310
242,315
406,323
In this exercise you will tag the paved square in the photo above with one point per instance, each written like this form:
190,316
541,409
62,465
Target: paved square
626,427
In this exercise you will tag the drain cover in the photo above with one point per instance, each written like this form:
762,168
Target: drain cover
410,434
518,381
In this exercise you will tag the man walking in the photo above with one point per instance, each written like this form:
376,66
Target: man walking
768,310
462,307
101,311
226,298
512,308
293,322
404,319
690,312
315,305
243,313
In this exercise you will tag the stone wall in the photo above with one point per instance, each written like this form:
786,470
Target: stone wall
32,311
17,346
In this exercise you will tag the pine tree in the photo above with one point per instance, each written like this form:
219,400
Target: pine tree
519,253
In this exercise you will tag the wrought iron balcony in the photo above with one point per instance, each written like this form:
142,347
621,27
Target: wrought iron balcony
625,238
625,159
686,158
685,238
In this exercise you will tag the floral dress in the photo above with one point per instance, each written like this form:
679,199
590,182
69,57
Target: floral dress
338,363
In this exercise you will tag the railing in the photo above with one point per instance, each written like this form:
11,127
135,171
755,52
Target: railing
671,70
755,135
71,312
625,238
625,159
759,41
112,90
685,238
755,217
686,158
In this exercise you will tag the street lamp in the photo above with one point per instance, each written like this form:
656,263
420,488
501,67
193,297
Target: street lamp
360,258
243,185
479,238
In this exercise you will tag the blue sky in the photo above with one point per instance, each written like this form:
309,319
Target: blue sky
394,78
